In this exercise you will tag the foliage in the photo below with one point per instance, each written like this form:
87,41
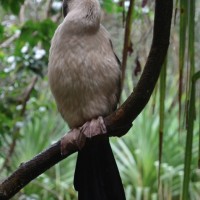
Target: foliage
29,119
12,5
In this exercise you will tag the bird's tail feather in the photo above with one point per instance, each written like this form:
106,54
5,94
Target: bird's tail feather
96,175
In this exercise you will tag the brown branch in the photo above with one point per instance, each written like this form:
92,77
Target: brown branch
27,93
127,35
132,107
7,43
48,11
123,116
22,12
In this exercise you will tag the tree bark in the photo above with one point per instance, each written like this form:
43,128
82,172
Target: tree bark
122,117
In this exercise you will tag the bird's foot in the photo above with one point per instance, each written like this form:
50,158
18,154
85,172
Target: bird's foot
94,127
76,138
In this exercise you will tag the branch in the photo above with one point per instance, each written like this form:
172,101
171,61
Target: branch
135,103
27,93
125,115
127,40
7,43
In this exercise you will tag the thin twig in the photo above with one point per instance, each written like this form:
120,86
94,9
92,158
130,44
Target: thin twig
27,93
48,11
10,40
127,39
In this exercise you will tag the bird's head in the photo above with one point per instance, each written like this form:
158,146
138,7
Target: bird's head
69,5
66,7
82,15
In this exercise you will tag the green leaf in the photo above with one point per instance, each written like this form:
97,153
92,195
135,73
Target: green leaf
162,112
189,139
33,32
111,7
191,40
182,44
1,32
12,5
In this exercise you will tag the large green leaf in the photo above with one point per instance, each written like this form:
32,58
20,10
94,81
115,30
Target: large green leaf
190,133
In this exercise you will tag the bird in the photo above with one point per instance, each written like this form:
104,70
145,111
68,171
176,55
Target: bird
85,79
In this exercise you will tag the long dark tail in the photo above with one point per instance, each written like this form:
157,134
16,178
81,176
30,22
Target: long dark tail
97,176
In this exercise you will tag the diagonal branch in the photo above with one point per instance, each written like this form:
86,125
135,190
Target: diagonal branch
123,117
135,103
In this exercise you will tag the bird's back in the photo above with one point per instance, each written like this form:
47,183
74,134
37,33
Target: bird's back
83,74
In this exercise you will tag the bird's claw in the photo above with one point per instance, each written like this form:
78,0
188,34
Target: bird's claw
76,138
94,127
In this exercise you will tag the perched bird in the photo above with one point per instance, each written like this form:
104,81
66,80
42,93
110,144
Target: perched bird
84,76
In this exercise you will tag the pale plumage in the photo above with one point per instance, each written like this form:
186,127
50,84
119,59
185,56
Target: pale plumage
84,74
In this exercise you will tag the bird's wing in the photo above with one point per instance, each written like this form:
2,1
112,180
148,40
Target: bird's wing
120,78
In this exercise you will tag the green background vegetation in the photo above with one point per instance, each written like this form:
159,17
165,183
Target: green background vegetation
29,121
